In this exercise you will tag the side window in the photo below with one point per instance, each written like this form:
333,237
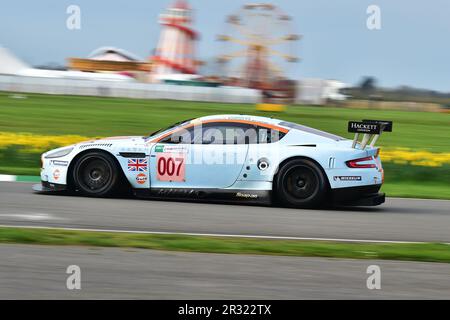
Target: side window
212,135
224,133
228,133
267,135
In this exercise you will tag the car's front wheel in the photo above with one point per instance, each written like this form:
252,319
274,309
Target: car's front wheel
96,174
300,183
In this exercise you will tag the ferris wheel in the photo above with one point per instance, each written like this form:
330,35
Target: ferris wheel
258,46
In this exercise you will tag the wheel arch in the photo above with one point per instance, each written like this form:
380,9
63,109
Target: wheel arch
282,163
70,182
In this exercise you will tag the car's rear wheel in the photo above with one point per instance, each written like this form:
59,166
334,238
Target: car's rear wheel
301,183
96,174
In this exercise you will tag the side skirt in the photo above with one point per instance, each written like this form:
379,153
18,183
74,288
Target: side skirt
47,187
207,195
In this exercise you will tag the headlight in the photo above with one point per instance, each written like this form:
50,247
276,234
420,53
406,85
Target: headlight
59,153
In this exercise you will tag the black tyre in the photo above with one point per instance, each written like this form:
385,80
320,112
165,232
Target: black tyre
300,183
96,174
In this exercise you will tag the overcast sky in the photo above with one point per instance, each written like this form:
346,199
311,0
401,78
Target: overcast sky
412,47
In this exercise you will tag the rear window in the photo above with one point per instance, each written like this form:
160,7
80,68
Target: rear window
311,130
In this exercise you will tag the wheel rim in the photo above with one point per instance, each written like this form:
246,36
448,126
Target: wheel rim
301,182
94,174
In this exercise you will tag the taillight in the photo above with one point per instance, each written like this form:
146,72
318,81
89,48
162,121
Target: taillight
355,163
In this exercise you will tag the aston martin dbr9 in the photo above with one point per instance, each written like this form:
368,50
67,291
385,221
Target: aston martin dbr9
227,158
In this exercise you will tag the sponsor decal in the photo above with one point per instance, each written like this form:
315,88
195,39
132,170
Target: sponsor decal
59,163
56,174
137,165
237,118
347,178
246,195
364,127
141,178
175,149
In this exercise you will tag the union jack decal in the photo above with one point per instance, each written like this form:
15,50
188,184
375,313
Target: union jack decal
137,164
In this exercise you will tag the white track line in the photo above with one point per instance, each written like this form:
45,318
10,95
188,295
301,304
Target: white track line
7,178
29,216
216,235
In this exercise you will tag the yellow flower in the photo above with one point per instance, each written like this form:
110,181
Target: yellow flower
418,158
37,143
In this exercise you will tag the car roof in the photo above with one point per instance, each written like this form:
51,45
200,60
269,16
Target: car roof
270,122
238,117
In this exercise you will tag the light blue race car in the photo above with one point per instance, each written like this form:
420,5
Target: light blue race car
227,158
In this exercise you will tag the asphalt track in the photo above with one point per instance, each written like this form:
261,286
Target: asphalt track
39,272
396,220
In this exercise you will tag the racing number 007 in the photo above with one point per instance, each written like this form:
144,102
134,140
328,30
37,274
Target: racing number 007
167,166
170,167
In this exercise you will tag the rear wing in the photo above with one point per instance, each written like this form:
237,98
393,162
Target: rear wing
372,129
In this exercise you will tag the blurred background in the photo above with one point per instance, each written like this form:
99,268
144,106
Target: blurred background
80,69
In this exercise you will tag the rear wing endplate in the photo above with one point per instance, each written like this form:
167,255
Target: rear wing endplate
372,129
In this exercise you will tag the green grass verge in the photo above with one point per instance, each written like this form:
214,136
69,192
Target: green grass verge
96,116
431,252
415,189
416,181
19,171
